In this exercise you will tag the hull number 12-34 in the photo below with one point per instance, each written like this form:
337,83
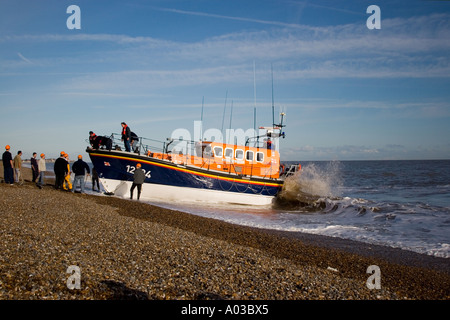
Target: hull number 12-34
130,169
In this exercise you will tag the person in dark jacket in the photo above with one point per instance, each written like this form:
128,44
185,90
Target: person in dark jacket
79,167
126,136
60,169
138,180
34,167
8,166
95,180
98,141
134,142
93,140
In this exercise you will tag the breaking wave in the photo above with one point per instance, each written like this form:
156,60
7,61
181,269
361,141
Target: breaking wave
310,187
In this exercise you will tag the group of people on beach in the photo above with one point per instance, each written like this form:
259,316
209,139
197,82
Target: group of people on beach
12,167
13,171
79,168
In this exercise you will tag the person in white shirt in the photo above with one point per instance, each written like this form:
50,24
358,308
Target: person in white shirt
42,168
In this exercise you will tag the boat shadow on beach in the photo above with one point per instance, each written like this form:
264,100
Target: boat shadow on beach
119,291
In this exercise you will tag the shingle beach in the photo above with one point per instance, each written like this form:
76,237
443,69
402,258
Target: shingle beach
131,250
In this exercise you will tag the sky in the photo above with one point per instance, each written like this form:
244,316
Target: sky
350,91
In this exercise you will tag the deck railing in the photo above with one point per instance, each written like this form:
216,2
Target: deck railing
190,152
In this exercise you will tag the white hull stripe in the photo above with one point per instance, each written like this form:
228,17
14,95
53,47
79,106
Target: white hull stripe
171,193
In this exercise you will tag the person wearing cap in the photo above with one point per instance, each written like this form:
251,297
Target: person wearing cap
98,141
126,136
60,169
138,180
8,172
18,167
79,167
93,140
42,168
67,186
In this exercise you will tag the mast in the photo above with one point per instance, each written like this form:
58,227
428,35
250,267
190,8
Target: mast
254,99
273,107
231,116
201,120
224,107
203,101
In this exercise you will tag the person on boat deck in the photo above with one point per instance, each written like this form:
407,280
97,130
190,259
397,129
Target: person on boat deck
268,144
133,141
126,136
80,168
99,141
138,180
93,140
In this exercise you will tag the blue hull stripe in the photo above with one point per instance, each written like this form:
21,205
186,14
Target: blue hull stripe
117,166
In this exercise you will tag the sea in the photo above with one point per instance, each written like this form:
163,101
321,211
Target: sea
401,204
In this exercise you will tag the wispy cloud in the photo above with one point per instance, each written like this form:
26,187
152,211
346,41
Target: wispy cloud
23,58
415,47
101,37
244,19
330,8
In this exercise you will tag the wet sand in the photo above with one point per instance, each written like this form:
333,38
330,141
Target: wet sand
132,250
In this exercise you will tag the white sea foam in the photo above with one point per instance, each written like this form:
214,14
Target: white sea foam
315,181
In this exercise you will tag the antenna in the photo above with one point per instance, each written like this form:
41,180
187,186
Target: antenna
231,116
201,120
224,107
254,98
203,101
273,107
281,125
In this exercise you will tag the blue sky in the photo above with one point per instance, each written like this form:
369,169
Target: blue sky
350,93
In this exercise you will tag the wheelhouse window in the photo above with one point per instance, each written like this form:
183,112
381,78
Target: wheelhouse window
228,153
218,152
239,154
207,152
260,156
249,155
